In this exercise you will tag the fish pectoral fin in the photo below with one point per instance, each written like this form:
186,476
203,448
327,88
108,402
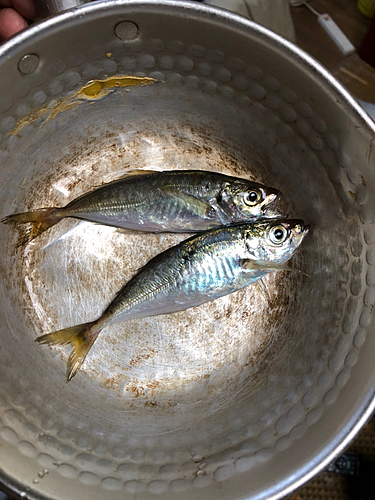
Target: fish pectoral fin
273,267
262,265
195,205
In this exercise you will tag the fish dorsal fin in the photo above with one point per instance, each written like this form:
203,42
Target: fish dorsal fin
195,205
133,173
126,176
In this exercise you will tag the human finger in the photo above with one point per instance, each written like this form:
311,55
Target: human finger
10,23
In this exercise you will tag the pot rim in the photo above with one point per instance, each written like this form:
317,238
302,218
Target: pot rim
19,43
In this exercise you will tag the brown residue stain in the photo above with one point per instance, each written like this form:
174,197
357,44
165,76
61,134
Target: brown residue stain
370,150
143,390
278,310
280,303
151,403
94,89
137,390
153,385
142,357
353,195
110,383
228,313
362,180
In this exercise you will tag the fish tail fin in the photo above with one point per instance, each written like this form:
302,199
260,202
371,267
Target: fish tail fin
40,221
82,338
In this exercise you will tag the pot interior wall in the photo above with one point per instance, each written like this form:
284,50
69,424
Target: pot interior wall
191,399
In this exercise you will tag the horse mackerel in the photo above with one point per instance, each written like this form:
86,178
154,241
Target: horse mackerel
152,201
200,269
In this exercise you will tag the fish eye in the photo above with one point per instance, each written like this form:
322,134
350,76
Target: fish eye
278,234
252,197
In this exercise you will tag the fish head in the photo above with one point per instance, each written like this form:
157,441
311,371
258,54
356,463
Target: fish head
250,200
275,241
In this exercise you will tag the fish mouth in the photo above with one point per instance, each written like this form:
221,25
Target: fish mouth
305,230
296,224
298,227
269,204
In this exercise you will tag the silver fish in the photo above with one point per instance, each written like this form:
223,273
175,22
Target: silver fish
200,269
173,201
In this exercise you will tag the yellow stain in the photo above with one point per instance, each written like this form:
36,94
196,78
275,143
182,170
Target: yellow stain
94,89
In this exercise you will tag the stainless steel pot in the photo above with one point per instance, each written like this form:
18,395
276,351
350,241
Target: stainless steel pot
241,398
